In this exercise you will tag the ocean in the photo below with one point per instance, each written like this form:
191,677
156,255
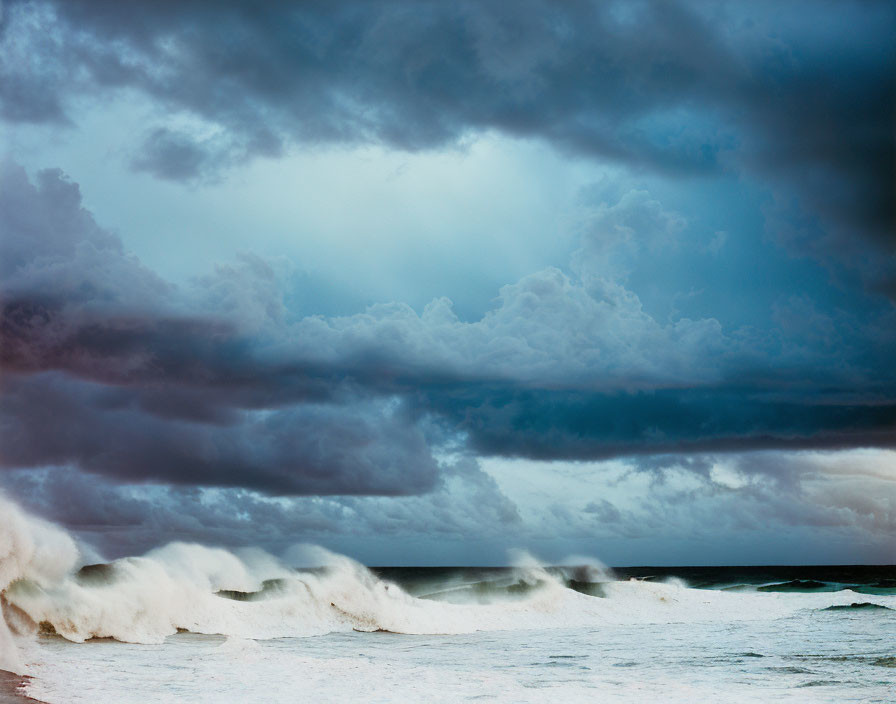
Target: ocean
192,624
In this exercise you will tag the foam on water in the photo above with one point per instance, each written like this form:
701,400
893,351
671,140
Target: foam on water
797,659
250,594
35,552
184,587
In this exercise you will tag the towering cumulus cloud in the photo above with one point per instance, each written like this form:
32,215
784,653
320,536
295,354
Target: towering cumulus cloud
108,369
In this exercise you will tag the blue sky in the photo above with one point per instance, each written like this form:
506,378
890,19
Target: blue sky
424,282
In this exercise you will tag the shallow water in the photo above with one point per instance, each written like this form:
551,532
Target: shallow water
810,656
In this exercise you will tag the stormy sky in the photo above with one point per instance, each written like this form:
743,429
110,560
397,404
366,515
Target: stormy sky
424,281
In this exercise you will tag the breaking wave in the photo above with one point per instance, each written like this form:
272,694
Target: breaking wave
44,586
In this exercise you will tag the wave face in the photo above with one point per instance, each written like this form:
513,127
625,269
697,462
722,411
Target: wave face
36,555
251,594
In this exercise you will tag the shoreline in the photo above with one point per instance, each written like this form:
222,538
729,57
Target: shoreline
10,689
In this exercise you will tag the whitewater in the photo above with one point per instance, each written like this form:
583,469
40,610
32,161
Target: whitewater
192,623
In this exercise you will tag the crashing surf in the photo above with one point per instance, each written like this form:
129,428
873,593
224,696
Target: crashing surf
46,587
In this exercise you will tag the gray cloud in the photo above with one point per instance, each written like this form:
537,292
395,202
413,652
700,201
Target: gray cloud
180,156
833,504
674,87
308,449
723,508
218,385
214,410
548,424
127,519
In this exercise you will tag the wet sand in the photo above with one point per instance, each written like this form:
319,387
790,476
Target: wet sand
10,692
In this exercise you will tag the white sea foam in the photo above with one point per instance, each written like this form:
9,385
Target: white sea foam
177,587
249,594
32,550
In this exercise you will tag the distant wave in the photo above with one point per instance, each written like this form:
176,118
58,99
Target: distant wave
859,606
882,587
798,585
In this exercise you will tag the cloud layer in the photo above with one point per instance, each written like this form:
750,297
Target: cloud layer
729,509
738,155
141,380
673,87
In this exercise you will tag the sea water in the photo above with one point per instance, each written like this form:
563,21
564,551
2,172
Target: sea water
527,641
187,623
805,657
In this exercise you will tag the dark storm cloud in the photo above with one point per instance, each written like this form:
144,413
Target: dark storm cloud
550,424
47,419
108,368
678,87
180,156
168,154
357,72
148,350
123,519
847,499
102,369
